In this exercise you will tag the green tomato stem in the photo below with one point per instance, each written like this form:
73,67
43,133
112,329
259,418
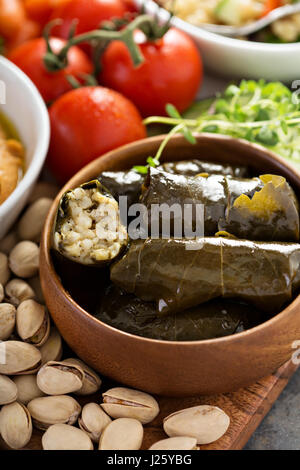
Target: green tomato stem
55,62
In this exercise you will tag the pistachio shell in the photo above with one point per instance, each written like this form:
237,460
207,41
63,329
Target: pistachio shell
122,434
1,293
8,242
91,382
60,409
15,425
176,443
24,259
7,321
121,402
17,291
4,269
8,390
93,421
43,189
31,223
35,285
60,378
27,388
33,322
206,423
52,350
17,358
64,437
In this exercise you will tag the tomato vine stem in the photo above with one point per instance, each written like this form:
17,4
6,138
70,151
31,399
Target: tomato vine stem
58,61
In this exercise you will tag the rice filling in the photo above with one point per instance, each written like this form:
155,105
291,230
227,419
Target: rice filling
91,232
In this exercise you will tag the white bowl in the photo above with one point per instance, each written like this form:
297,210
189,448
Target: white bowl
27,111
235,58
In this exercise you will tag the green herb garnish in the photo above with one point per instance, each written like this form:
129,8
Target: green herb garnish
264,113
180,128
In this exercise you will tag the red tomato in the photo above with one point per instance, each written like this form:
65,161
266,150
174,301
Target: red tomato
41,10
130,6
29,57
89,13
171,73
87,122
30,29
12,17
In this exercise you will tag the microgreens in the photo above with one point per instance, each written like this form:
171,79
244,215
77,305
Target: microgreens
260,112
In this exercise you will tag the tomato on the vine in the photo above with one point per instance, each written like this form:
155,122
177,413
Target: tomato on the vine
41,10
89,14
12,17
29,57
86,123
171,73
130,6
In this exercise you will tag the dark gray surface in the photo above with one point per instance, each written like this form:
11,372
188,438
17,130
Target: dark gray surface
280,430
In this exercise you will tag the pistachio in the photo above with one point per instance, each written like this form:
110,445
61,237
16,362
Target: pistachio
43,189
176,443
60,409
1,293
31,223
7,320
15,425
206,423
93,421
122,434
52,349
123,402
24,259
60,378
8,242
4,269
33,322
27,388
64,437
91,381
35,285
17,291
8,390
18,358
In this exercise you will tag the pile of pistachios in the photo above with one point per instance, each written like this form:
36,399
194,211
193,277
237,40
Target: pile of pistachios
35,383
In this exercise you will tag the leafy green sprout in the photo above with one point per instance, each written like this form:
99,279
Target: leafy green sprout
260,112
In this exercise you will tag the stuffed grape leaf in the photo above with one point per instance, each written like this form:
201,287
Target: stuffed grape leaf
180,274
213,319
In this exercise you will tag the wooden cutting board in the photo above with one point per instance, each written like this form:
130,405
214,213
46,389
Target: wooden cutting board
246,408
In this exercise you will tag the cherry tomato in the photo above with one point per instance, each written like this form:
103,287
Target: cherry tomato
86,123
12,17
41,10
171,73
130,6
30,30
88,13
29,58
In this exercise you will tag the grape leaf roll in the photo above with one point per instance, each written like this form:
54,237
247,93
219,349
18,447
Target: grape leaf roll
215,319
129,183
180,274
87,228
264,208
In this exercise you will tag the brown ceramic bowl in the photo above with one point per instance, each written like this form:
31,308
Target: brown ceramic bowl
173,368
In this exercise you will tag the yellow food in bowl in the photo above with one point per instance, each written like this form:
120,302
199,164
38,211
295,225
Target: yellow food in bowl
11,160
217,11
233,13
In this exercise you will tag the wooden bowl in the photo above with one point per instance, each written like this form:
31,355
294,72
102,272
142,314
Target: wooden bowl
162,367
